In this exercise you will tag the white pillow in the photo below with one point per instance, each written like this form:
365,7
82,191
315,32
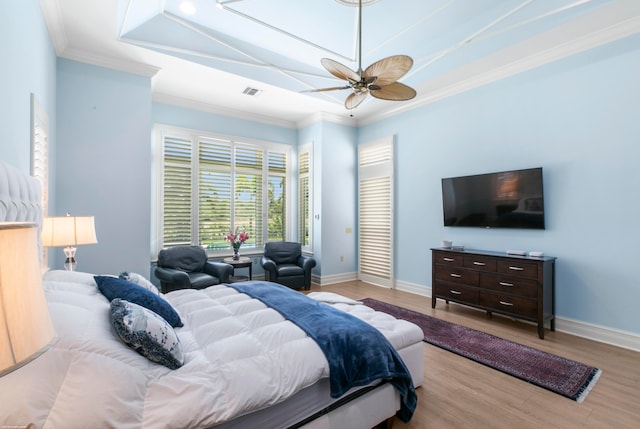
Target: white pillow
139,280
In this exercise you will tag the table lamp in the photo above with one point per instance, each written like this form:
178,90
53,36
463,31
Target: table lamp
26,330
68,231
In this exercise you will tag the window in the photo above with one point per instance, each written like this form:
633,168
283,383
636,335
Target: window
375,214
210,186
304,196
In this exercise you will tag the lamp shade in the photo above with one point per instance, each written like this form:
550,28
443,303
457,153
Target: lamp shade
26,329
68,231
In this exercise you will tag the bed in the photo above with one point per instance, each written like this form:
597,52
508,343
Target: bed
244,363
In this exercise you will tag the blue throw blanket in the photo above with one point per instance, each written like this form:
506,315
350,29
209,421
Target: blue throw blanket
358,353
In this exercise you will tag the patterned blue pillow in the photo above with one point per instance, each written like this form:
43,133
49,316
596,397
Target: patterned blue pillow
114,287
146,333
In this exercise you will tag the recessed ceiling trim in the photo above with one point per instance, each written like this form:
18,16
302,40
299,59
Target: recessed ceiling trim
580,44
469,39
408,28
255,61
223,6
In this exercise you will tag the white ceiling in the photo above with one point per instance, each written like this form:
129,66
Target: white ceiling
205,60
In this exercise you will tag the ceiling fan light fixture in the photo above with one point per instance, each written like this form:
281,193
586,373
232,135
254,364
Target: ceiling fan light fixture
355,3
379,79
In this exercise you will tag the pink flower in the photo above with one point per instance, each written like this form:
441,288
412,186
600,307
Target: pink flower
236,239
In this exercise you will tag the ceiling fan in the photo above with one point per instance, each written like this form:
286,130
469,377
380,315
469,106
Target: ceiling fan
379,79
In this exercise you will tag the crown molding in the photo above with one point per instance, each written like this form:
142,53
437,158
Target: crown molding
221,110
55,25
127,66
326,117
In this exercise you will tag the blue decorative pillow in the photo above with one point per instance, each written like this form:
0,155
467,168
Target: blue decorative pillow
114,287
146,333
139,280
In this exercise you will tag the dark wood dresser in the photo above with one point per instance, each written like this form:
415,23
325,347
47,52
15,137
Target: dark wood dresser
518,286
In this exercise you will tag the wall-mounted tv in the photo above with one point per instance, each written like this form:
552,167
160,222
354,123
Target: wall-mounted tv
506,199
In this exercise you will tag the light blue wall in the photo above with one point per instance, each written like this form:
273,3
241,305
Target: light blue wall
334,196
338,198
104,163
28,66
198,120
578,119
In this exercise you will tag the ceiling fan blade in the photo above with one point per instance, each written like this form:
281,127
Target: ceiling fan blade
354,99
335,88
390,69
396,91
340,71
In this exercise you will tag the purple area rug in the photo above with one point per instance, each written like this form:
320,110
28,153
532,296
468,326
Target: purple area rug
566,377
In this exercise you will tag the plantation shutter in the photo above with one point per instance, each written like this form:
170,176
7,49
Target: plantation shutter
276,197
176,226
304,211
375,214
248,193
214,192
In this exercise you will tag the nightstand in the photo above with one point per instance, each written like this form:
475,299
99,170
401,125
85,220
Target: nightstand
243,262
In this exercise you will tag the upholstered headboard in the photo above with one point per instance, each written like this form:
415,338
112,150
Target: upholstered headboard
20,197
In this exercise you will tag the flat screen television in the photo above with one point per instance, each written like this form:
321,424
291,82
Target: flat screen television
506,199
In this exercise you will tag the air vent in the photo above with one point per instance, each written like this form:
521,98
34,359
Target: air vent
251,91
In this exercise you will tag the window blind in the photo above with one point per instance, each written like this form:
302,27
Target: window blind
176,214
375,213
304,209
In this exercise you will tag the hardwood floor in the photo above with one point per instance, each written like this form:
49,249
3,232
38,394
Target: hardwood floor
459,393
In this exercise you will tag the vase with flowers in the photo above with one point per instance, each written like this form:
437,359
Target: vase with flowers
236,239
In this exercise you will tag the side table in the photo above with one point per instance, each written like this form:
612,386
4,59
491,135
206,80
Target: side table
243,262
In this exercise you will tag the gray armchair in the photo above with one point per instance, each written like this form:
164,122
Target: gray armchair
187,267
284,263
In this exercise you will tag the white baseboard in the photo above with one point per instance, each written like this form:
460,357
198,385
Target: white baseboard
414,288
601,334
339,278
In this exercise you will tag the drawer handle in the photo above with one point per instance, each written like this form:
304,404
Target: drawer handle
448,259
516,268
482,264
506,284
455,275
455,292
508,304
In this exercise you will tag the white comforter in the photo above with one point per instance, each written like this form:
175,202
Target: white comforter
240,356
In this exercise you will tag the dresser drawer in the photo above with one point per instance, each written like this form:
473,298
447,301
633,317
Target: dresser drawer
482,263
521,307
515,267
456,292
458,275
449,258
519,286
